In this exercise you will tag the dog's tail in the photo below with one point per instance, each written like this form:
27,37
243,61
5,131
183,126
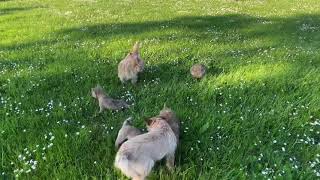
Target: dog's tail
135,49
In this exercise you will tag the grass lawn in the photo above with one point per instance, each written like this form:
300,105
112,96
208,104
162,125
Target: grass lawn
256,114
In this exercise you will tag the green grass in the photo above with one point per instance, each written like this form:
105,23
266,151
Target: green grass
254,116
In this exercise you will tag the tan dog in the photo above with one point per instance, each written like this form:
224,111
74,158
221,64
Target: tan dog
198,71
137,156
106,102
170,116
126,132
131,65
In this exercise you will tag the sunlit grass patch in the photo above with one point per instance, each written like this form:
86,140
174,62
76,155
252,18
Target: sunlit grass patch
255,115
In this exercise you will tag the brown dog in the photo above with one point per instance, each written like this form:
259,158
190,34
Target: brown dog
137,156
198,71
106,102
170,116
126,132
131,65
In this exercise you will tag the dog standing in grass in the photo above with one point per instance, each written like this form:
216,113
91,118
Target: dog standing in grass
126,132
106,102
131,65
171,118
137,156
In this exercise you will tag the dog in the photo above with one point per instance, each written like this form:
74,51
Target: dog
171,118
131,65
198,71
106,102
126,132
137,156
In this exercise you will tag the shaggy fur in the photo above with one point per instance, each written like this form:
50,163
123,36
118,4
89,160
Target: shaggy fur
106,102
170,116
130,66
126,132
198,71
137,156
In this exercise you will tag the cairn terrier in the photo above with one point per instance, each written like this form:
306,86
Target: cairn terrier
131,65
106,102
170,116
137,156
198,71
126,132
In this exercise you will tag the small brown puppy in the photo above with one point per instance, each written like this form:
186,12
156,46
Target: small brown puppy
126,132
106,102
131,65
137,156
198,71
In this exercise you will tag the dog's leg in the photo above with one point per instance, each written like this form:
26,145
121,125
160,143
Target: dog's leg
134,80
170,161
101,109
122,80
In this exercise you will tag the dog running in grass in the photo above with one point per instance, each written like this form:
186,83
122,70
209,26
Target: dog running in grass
106,102
126,132
131,66
137,156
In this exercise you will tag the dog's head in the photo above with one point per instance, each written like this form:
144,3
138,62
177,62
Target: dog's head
156,123
167,113
126,132
97,91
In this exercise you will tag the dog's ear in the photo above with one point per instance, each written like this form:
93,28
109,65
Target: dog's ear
93,92
128,121
164,106
135,49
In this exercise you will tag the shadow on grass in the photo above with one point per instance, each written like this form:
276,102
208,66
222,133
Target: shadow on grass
207,28
197,32
6,11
